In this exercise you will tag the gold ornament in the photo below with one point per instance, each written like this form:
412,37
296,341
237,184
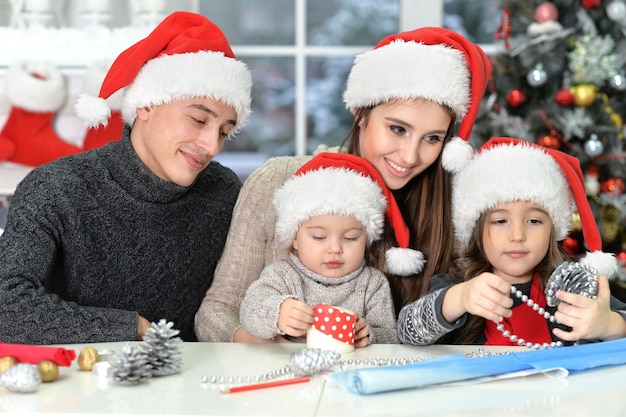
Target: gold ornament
584,94
7,362
609,222
87,357
48,370
576,223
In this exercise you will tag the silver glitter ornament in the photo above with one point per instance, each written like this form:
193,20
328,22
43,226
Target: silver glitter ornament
537,76
573,277
593,146
22,378
618,82
163,349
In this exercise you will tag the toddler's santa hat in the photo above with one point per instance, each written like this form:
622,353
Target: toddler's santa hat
506,170
347,185
185,56
432,63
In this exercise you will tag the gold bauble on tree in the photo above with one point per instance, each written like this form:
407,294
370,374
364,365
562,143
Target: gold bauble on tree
48,370
576,223
584,94
7,362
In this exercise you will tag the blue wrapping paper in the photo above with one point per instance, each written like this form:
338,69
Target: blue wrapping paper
457,367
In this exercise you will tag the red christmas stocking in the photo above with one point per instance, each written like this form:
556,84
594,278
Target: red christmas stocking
36,91
96,137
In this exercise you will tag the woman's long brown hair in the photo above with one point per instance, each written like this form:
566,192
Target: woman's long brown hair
425,203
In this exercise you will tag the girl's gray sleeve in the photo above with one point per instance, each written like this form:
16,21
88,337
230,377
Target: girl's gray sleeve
421,322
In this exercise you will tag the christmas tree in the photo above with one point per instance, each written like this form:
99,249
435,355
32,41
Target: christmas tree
560,81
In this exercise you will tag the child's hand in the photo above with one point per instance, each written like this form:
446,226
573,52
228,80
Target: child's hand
294,317
589,318
486,295
361,333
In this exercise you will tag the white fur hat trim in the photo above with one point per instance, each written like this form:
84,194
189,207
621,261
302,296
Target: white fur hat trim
324,191
503,174
41,94
404,261
603,262
406,70
456,155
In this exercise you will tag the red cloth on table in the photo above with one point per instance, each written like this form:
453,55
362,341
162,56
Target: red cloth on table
35,354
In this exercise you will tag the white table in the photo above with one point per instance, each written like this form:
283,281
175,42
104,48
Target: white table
78,393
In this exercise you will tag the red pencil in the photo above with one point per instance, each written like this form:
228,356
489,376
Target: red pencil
266,385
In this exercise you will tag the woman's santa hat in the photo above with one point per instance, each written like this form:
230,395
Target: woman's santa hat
431,63
185,56
347,185
506,170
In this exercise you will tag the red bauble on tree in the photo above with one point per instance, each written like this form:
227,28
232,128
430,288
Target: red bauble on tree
516,97
564,97
591,4
549,141
612,186
571,246
546,12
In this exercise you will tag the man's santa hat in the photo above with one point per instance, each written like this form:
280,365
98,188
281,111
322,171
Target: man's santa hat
431,63
185,56
506,170
347,185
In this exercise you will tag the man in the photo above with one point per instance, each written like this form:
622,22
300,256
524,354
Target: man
100,244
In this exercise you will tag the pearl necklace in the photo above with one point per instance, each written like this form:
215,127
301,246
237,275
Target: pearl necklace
575,277
541,311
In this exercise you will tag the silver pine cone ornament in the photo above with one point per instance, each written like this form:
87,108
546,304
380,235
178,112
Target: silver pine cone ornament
130,365
163,349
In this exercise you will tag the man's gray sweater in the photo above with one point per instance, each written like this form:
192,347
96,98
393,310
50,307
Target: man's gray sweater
96,239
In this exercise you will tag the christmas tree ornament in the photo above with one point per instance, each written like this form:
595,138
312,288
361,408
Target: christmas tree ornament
592,180
549,141
593,146
591,4
516,98
22,378
584,94
87,358
163,349
48,370
504,29
612,186
564,97
618,82
577,225
571,246
310,362
537,76
7,362
130,366
609,222
616,11
546,12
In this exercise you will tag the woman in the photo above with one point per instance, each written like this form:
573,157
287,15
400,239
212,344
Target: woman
406,96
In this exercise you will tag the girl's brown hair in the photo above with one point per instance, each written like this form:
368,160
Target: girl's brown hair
473,261
425,203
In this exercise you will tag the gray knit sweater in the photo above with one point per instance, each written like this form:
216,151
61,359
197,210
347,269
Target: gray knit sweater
365,291
96,239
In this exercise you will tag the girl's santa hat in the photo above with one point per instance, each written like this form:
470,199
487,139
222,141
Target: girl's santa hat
185,56
506,170
431,63
347,185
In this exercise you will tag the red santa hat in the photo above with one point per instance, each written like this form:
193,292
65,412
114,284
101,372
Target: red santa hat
432,63
348,185
506,169
185,56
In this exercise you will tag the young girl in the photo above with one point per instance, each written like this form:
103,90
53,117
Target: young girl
327,215
406,95
512,203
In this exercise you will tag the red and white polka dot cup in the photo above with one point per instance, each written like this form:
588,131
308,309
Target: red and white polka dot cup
332,329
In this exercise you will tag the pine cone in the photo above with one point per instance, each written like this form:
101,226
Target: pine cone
130,366
163,349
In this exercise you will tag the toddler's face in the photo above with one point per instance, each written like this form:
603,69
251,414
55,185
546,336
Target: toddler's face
331,245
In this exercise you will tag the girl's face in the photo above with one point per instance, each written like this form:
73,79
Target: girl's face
331,245
516,238
403,138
